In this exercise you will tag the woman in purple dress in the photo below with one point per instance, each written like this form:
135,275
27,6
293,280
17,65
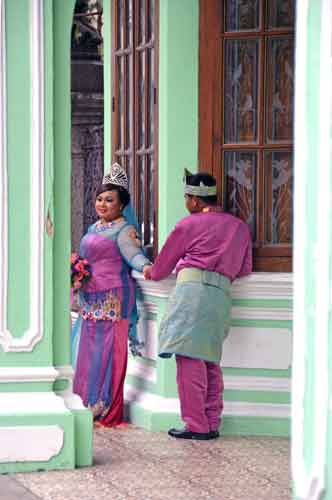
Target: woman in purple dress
107,302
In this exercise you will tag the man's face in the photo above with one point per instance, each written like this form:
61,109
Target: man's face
191,203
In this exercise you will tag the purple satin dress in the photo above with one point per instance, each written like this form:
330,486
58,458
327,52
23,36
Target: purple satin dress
106,306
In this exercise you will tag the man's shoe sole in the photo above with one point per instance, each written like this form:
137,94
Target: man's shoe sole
191,435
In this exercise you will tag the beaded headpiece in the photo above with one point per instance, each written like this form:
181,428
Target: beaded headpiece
200,190
116,176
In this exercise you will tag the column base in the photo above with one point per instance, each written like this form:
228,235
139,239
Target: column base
45,429
157,413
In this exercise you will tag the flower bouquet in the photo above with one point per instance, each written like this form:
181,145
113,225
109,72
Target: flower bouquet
80,271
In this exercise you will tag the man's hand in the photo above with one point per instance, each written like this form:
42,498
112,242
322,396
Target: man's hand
147,272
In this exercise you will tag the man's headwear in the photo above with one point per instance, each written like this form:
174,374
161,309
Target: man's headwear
202,190
116,176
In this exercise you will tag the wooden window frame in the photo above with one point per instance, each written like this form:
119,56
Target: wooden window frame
147,150
274,258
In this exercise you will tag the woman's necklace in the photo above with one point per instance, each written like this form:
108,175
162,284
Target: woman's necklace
101,224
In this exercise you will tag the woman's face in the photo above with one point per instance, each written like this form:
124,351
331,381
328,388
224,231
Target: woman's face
108,205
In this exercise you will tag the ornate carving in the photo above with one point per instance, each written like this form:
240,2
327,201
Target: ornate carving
241,91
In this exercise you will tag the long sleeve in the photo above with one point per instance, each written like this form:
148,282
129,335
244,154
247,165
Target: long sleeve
247,261
170,254
130,248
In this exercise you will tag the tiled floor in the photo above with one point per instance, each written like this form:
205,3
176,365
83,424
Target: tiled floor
133,464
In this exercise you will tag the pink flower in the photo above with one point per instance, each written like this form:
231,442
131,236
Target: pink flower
79,267
74,257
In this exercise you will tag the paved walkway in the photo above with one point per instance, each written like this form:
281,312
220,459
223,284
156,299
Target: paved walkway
133,464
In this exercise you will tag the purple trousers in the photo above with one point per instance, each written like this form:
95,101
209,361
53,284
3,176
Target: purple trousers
200,385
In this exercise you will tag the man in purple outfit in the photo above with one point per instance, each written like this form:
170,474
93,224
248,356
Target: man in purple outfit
208,249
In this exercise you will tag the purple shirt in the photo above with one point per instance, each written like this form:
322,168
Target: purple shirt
214,241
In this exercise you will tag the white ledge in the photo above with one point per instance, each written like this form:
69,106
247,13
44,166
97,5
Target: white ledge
28,374
260,286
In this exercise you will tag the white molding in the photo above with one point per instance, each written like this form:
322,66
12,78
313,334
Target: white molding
259,286
245,409
72,401
31,403
264,286
147,307
232,382
30,443
160,289
262,313
65,372
259,384
158,404
28,374
34,334
50,374
136,369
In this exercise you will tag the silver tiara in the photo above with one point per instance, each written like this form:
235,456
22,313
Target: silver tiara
200,190
116,176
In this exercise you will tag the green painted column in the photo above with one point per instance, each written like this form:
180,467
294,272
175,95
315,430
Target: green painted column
62,24
178,106
42,424
312,360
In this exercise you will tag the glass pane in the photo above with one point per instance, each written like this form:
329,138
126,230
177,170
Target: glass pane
129,23
130,173
128,102
130,123
278,170
120,115
120,26
279,90
242,15
141,212
141,99
241,87
150,121
141,25
151,20
151,200
281,13
240,186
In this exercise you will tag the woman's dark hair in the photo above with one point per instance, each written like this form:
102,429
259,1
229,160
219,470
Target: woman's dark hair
124,196
208,180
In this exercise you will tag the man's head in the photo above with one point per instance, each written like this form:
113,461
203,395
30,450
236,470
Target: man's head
200,191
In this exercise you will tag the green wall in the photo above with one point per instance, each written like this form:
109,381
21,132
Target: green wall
178,106
63,15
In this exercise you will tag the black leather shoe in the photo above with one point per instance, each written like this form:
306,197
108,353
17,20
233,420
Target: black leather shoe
186,434
214,434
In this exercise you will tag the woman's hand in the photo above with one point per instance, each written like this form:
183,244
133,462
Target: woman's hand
147,271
